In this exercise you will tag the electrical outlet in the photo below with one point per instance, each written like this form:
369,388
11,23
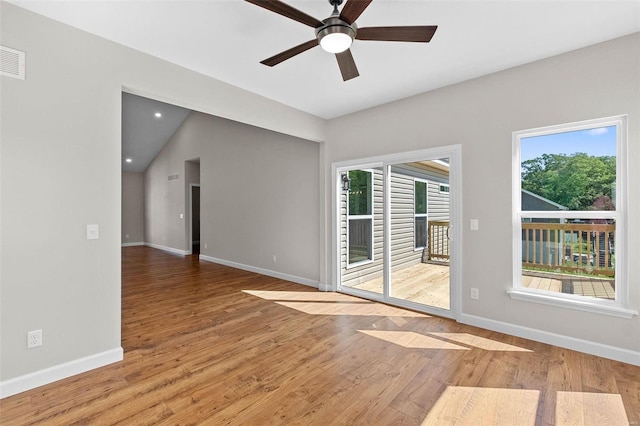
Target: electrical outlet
475,293
34,339
275,259
205,245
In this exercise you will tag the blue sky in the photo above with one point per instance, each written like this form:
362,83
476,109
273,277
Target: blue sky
598,142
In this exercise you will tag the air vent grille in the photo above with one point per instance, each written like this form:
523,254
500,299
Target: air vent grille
174,177
12,63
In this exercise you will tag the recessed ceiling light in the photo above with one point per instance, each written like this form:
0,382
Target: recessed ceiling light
128,160
158,114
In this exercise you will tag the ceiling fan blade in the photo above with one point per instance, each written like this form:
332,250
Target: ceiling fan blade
289,53
353,9
290,12
421,34
347,65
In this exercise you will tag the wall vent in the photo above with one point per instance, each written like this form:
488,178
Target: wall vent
12,62
174,177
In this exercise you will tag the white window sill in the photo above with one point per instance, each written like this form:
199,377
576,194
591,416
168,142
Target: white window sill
599,307
357,264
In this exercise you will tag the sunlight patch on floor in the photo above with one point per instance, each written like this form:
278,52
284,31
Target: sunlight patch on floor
586,409
409,339
479,342
484,406
306,296
350,308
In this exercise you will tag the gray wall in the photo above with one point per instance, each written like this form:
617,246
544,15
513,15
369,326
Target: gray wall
598,81
258,195
132,208
61,170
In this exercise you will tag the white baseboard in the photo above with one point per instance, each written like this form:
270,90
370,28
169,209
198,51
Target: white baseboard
59,372
586,346
168,249
261,271
325,287
132,244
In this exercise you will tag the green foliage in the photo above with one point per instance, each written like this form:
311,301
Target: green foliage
360,192
577,181
420,197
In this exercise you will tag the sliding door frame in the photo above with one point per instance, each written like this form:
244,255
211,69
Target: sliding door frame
454,153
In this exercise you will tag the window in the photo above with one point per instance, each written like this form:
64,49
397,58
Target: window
569,225
360,217
420,213
444,187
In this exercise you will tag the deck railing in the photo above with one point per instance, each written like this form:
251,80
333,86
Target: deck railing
438,240
586,248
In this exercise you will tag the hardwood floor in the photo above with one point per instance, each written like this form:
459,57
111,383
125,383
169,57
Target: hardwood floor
208,344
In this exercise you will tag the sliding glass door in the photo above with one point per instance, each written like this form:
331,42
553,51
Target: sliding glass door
361,230
419,233
393,228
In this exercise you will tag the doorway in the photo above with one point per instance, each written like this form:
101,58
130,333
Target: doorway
192,206
195,218
395,223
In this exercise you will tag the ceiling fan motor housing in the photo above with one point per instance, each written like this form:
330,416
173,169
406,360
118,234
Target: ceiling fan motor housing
333,25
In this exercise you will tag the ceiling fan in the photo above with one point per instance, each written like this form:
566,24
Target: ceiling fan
336,33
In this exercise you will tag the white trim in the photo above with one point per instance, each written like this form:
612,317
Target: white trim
369,217
585,346
324,287
262,271
621,306
359,263
417,215
59,372
168,249
579,303
444,185
454,153
139,243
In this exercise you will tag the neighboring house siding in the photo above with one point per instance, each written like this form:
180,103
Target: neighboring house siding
538,246
403,252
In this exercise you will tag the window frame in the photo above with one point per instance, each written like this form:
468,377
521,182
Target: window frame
441,187
417,215
370,217
618,307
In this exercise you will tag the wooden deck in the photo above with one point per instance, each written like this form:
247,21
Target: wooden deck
428,284
206,344
570,284
424,283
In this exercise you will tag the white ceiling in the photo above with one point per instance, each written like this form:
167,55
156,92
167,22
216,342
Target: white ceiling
227,40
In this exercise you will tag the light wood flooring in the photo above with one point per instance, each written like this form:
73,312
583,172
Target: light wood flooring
207,344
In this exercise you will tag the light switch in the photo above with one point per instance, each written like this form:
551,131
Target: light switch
92,232
473,224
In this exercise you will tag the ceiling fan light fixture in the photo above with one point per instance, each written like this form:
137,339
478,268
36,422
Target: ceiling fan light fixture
335,42
336,36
